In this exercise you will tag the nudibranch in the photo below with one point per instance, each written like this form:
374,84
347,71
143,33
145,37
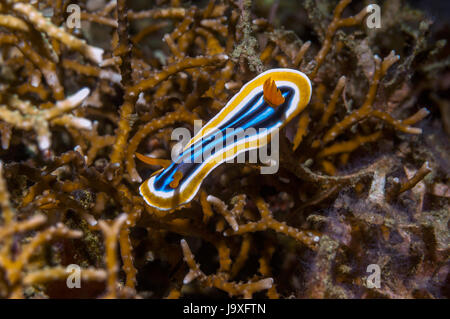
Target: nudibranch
266,103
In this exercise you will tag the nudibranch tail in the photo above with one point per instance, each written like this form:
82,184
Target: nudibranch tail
262,106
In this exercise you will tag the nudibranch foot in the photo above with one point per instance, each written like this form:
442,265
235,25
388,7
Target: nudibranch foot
262,106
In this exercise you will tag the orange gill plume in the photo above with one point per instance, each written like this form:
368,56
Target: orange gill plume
176,179
272,95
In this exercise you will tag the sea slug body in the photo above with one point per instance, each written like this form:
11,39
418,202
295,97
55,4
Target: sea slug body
264,104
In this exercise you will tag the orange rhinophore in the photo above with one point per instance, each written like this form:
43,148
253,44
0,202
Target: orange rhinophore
272,95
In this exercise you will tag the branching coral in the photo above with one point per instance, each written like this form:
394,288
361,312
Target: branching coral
26,116
41,24
220,282
363,175
14,265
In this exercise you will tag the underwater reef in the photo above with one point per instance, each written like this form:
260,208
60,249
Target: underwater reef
363,175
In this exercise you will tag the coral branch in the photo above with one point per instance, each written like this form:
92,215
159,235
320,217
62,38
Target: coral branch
41,24
424,170
223,210
111,234
30,117
329,109
366,109
349,146
13,23
308,238
7,211
335,24
217,281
